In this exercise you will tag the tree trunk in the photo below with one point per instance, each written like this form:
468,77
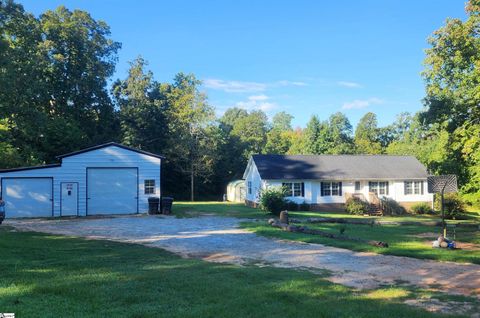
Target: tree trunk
192,183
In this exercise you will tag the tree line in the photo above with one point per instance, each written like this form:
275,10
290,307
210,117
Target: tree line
55,97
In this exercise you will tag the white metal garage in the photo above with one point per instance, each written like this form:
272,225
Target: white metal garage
105,179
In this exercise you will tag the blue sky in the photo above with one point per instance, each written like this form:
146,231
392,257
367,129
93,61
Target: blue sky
303,57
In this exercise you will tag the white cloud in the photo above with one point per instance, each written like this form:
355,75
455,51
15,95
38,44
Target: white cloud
246,87
362,103
349,84
234,86
289,83
258,97
257,102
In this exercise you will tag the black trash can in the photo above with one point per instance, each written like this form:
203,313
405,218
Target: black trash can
166,206
153,204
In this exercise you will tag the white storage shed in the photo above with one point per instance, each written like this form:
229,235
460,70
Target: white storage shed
106,179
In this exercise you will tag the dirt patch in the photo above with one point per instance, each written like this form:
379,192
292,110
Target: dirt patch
429,235
445,307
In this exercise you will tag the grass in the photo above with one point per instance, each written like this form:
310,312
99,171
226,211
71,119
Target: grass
54,276
403,240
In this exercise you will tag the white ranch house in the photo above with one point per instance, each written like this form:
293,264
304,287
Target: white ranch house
106,179
324,181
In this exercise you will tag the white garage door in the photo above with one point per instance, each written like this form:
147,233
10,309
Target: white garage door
112,190
27,197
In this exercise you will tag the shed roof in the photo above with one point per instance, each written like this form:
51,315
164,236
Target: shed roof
339,167
108,144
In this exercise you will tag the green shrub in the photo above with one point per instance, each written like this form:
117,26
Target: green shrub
453,205
272,200
392,207
356,206
291,206
421,208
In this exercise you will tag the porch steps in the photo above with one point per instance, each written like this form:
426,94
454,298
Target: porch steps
375,210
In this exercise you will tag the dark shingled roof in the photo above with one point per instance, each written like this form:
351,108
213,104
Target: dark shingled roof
339,167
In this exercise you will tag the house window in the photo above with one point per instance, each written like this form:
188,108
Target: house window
293,189
249,187
149,186
357,185
331,189
379,188
413,187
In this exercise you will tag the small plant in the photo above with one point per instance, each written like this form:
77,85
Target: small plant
392,207
356,206
421,208
272,200
453,205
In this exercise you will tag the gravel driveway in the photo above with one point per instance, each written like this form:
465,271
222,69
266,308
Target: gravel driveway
219,239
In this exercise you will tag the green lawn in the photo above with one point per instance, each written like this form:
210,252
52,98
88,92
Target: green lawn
53,276
404,240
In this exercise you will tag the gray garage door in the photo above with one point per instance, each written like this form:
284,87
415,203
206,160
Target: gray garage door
27,197
112,190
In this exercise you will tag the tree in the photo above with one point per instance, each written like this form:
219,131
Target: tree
53,74
452,78
282,121
189,117
339,135
366,135
279,137
142,104
251,130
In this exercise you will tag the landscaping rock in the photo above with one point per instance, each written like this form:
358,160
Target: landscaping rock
284,217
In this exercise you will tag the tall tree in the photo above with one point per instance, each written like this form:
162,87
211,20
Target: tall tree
142,104
339,135
252,132
366,135
189,148
53,75
452,77
279,137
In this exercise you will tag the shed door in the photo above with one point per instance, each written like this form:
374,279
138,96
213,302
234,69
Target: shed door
27,197
112,190
69,199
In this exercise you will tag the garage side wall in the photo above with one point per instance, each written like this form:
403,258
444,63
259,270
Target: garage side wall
74,169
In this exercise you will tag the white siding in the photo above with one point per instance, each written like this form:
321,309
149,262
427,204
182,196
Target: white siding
74,169
313,193
257,184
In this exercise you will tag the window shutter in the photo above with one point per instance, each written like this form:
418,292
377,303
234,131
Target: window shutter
321,189
387,186
421,187
340,189
303,189
404,187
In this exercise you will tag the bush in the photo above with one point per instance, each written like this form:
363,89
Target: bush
421,208
291,206
356,206
391,207
453,205
272,200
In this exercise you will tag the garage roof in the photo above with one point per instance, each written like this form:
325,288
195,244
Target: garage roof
108,144
53,165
